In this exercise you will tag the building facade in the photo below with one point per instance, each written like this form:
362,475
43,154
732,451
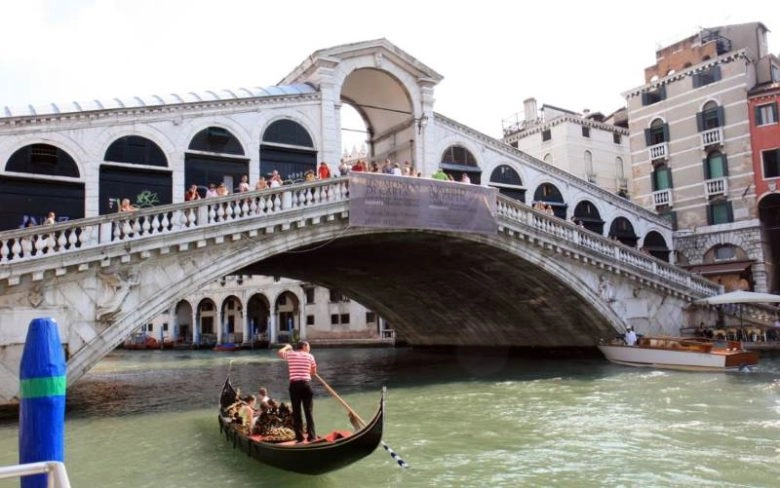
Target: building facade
254,309
586,145
692,161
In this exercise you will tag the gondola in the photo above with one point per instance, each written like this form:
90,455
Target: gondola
336,450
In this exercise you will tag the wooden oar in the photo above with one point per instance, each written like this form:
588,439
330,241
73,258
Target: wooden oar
358,422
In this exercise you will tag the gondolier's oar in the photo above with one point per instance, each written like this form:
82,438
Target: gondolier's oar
354,418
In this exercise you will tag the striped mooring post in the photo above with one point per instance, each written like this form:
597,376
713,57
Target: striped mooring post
42,385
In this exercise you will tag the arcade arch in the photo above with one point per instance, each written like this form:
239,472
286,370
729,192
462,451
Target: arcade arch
287,147
214,156
287,310
622,230
28,199
655,245
587,215
549,194
134,167
456,160
508,182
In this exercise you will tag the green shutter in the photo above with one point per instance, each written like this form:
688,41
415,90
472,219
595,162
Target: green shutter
715,73
666,132
725,164
757,114
671,182
662,92
706,163
721,116
647,137
696,80
730,211
700,121
709,214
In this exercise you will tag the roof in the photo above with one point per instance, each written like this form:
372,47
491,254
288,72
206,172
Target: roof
731,267
157,100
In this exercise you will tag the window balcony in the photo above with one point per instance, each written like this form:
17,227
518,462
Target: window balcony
715,187
712,137
662,197
659,151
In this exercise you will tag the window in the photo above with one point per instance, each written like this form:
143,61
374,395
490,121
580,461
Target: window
548,158
310,320
657,133
585,131
655,96
588,158
334,319
616,138
775,73
710,117
546,135
165,326
662,178
706,77
619,171
370,317
715,166
309,295
344,318
719,212
766,114
337,296
771,161
149,327
513,144
725,252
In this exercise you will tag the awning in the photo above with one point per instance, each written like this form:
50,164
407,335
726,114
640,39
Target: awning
463,168
732,267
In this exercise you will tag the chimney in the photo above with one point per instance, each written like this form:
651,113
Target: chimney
529,108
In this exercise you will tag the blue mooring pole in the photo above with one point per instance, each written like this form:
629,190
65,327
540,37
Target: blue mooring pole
42,385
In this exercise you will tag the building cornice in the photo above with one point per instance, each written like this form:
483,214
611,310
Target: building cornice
574,119
17,122
726,58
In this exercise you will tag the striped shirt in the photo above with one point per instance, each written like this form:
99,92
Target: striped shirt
300,364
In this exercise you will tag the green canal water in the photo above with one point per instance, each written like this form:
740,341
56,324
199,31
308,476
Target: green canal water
148,419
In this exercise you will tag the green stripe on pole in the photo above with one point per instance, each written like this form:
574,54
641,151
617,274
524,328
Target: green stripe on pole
43,387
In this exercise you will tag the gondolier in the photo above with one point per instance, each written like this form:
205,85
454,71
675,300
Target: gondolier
302,367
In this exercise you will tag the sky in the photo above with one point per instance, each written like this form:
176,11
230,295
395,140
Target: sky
493,54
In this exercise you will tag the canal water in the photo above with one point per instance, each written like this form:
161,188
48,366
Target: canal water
149,419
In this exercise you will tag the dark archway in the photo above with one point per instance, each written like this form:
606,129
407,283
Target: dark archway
27,201
232,320
622,230
655,245
224,163
287,310
182,328
206,323
549,194
457,160
587,215
257,313
769,215
129,172
508,182
287,148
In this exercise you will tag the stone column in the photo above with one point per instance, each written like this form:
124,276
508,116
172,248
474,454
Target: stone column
272,320
218,323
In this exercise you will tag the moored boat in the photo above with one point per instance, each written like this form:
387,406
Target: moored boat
335,450
681,353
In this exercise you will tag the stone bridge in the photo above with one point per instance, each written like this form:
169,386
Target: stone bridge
537,280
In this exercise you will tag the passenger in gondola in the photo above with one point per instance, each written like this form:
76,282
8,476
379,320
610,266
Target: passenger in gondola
264,402
247,413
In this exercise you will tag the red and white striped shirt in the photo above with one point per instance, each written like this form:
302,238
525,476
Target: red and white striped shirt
300,364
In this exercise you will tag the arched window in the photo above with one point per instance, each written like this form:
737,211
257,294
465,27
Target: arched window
508,182
216,140
587,215
43,159
622,230
456,160
590,174
711,117
289,149
619,170
548,158
715,166
136,150
655,245
549,194
657,133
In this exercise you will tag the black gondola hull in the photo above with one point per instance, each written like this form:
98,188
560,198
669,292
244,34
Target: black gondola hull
309,458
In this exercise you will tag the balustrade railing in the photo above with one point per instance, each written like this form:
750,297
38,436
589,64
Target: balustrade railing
659,151
662,197
48,240
569,233
712,136
716,186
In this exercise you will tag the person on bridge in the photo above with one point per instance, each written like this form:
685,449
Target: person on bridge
630,337
301,366
323,172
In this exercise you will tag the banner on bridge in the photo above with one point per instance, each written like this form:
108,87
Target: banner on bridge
403,202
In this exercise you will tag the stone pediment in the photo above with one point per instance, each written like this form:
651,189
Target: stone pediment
381,49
